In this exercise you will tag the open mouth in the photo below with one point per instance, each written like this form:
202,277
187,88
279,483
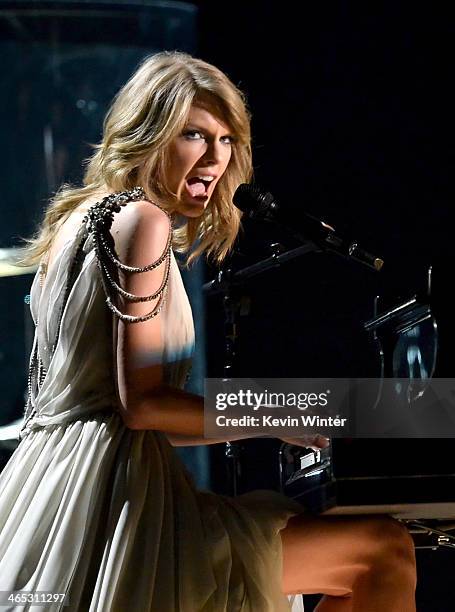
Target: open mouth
198,186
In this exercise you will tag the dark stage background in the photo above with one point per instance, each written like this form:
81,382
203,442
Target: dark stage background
352,111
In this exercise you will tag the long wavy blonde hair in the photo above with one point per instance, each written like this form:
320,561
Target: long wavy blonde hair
148,112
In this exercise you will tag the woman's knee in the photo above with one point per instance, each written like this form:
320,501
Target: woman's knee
389,545
338,552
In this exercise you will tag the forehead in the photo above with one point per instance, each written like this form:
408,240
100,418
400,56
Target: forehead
205,117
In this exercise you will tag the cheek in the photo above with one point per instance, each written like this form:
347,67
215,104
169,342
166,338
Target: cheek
177,167
184,159
229,156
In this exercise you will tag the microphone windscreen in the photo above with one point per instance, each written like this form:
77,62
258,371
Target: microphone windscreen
250,199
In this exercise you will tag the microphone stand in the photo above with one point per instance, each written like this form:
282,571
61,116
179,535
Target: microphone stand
324,240
226,283
320,235
276,260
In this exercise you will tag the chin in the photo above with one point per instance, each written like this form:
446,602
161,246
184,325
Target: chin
193,210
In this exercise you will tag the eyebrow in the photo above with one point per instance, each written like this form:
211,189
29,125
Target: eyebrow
195,126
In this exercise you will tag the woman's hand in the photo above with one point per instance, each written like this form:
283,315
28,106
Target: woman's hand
316,441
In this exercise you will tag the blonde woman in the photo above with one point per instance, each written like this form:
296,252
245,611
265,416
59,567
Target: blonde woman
94,503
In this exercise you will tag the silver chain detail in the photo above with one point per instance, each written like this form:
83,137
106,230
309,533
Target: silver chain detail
98,222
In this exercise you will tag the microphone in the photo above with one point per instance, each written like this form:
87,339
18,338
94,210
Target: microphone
262,205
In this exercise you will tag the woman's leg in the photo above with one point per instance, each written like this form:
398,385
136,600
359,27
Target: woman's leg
361,564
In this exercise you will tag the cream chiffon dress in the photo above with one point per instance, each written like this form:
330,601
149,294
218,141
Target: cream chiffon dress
108,515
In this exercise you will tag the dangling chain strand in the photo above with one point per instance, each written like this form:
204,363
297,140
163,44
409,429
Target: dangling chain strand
99,221
136,298
126,268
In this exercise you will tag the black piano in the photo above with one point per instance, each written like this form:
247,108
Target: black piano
409,337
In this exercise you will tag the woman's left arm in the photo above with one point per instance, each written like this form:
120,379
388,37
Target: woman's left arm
181,440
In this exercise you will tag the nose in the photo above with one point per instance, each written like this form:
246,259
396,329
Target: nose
214,153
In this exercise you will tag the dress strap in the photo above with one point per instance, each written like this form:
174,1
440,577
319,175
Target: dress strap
98,222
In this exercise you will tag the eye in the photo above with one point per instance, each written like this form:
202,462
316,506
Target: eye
227,139
193,135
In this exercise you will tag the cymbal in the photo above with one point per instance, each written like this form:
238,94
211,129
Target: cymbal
8,263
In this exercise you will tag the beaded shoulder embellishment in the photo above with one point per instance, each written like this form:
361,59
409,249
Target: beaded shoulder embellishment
99,221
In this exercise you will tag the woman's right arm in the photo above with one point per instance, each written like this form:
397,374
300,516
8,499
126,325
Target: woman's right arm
145,401
141,232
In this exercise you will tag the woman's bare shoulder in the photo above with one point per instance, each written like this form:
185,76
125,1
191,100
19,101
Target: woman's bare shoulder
144,211
141,231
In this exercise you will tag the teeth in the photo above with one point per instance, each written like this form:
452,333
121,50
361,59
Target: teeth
207,178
